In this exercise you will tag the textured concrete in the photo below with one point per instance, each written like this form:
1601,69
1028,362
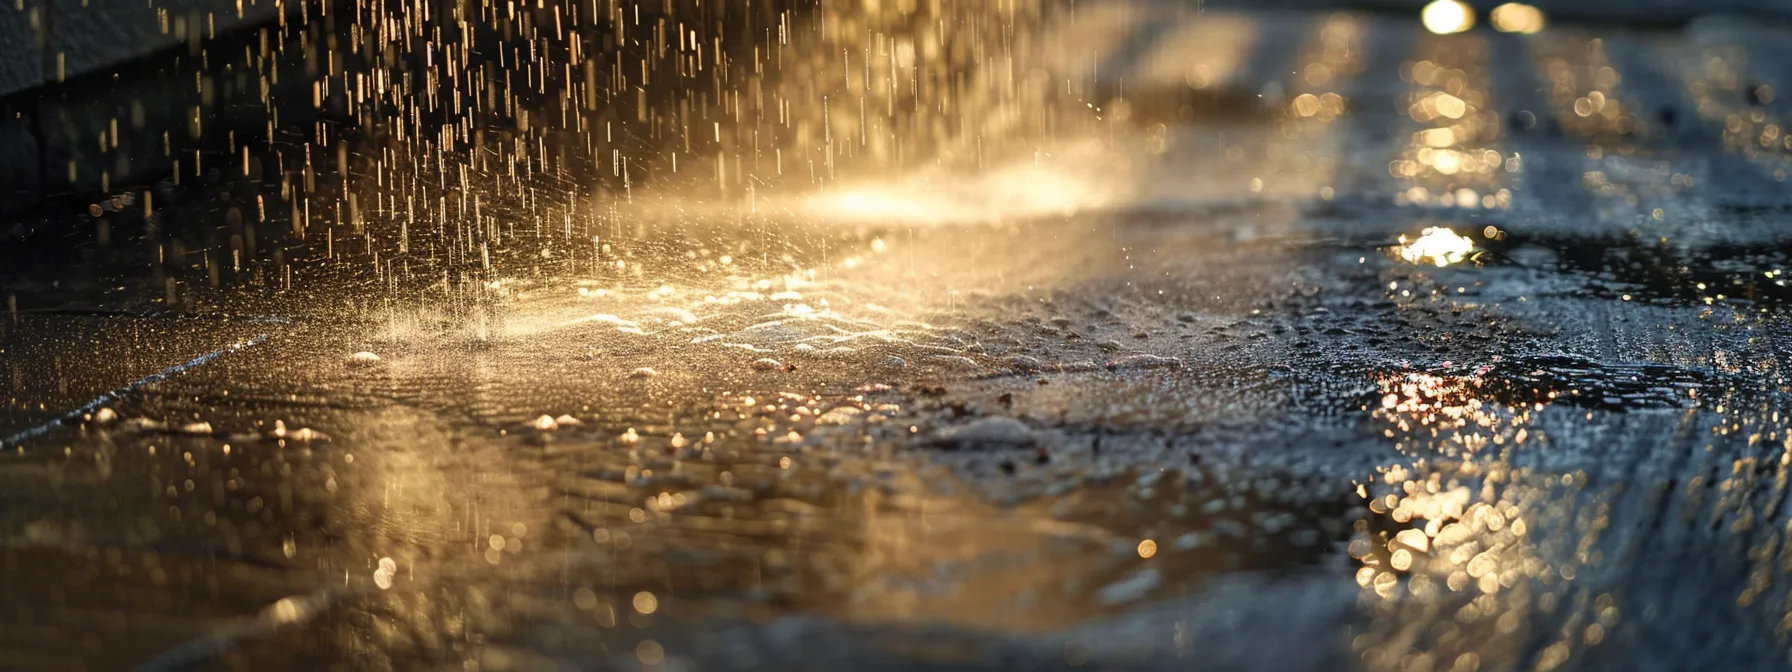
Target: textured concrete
43,41
21,48
56,100
91,38
1218,418
19,181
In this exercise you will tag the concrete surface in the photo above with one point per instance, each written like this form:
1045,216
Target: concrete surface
45,41
21,46
933,428
56,100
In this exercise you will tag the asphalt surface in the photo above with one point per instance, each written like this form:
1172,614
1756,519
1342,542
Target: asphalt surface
1318,342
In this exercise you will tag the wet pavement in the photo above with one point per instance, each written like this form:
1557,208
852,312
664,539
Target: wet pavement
1222,341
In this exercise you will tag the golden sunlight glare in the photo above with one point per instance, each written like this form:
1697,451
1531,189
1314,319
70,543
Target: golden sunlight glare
1436,244
1516,17
1447,16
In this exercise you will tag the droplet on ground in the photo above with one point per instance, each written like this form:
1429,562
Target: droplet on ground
1129,589
307,435
996,431
1025,364
1135,362
839,415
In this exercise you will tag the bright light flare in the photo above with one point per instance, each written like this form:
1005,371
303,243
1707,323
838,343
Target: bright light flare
1447,16
878,204
1438,245
869,205
1516,17
1017,191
